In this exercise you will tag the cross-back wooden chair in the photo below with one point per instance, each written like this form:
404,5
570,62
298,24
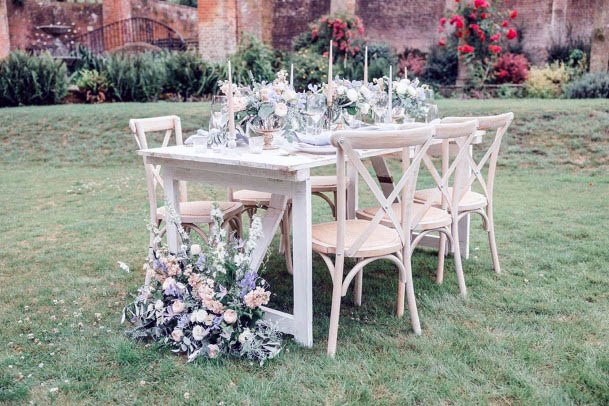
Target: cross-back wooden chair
193,213
428,219
369,240
474,202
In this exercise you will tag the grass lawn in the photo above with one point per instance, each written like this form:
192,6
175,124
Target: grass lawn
73,203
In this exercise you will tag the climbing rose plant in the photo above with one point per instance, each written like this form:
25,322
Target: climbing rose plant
482,29
345,32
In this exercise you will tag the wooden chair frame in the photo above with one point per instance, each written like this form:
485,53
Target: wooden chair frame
347,143
498,123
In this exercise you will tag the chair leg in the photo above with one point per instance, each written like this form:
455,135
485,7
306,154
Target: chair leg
357,288
441,255
337,287
491,239
410,297
457,255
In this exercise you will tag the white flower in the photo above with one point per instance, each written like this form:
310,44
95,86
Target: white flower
178,306
239,104
209,319
401,88
230,316
198,316
364,108
412,92
213,350
245,336
341,89
352,95
177,335
195,249
168,283
290,95
281,109
365,92
198,333
158,305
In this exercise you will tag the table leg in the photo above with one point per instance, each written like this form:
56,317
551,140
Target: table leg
303,267
172,193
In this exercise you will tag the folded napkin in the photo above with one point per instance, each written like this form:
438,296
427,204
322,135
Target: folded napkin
318,140
200,135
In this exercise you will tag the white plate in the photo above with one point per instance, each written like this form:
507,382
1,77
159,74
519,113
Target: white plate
314,149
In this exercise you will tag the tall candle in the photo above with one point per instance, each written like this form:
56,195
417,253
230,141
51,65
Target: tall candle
329,95
366,66
231,114
292,75
390,101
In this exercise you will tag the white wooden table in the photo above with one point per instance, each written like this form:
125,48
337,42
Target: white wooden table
286,177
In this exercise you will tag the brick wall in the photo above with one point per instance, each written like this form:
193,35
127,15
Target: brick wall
5,41
291,17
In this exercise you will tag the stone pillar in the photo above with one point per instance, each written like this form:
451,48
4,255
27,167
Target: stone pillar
343,7
599,54
113,11
217,29
558,22
5,40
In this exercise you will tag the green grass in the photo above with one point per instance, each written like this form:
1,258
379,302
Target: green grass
73,203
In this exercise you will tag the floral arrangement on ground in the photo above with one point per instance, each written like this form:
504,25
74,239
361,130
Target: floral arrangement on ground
205,301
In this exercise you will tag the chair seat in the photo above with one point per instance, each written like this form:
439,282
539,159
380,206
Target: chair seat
432,219
323,183
381,241
199,212
252,198
470,201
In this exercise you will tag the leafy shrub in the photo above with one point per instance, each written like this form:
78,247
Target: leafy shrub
93,84
32,79
309,67
254,60
380,56
547,82
511,68
344,31
506,91
137,77
562,51
188,75
86,60
441,68
414,60
591,85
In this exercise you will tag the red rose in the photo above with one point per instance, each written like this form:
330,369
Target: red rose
504,23
511,34
482,36
483,16
459,24
458,33
474,27
502,73
496,37
442,42
472,16
443,21
480,4
466,49
494,49
513,14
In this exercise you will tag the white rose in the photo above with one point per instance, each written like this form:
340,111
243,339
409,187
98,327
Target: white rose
158,305
401,88
245,336
198,316
341,89
168,282
213,350
281,109
352,95
209,319
177,335
230,316
364,107
412,91
198,333
177,306
264,94
195,249
290,95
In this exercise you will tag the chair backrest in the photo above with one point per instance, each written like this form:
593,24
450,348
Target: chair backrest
499,125
347,143
459,135
171,125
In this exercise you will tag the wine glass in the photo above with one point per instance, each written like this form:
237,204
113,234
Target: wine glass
315,109
379,107
219,113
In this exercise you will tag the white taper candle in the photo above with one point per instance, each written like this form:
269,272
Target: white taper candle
232,143
390,101
366,66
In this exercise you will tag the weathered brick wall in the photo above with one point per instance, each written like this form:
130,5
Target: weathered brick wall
5,40
182,19
291,17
